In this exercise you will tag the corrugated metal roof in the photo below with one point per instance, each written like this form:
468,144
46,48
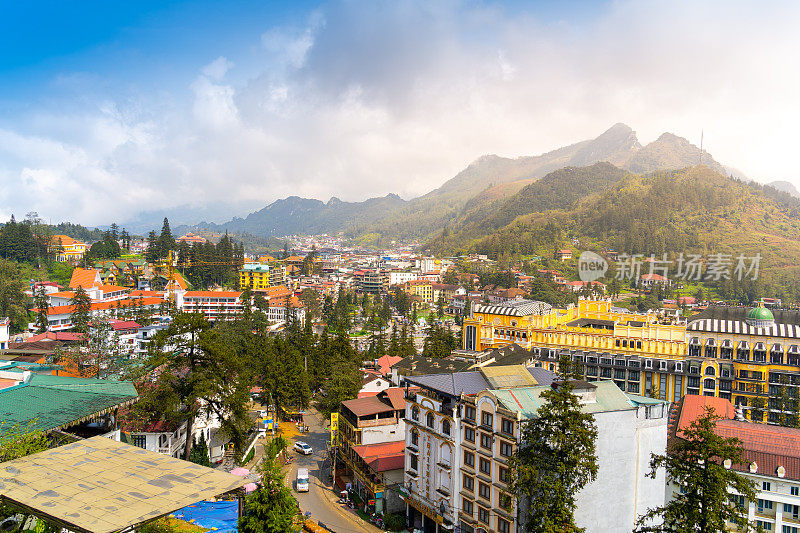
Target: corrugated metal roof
100,485
508,376
453,384
516,308
527,400
56,401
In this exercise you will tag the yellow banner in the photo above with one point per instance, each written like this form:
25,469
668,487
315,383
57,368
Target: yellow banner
334,427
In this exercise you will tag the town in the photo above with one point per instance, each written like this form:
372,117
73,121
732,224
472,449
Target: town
377,389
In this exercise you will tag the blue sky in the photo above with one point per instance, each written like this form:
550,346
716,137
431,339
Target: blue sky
212,108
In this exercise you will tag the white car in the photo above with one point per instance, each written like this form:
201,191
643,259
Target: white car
302,447
302,480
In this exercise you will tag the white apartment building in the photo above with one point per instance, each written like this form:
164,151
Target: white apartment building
215,305
398,278
462,428
5,324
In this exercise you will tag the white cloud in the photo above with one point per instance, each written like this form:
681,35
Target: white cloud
370,98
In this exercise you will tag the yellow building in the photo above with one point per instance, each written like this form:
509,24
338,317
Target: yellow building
255,276
420,288
748,356
67,249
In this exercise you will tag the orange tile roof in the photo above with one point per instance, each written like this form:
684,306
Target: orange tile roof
153,294
112,288
66,240
62,294
694,405
384,456
212,294
100,306
85,278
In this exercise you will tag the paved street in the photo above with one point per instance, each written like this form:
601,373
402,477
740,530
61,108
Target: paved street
320,499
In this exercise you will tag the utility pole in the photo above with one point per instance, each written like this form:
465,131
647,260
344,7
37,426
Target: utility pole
701,147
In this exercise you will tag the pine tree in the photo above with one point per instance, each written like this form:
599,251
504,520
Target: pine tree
557,458
166,241
153,253
199,454
42,304
81,313
271,508
696,463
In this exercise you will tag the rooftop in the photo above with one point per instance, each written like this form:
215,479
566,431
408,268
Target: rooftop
527,400
384,456
99,485
516,308
453,384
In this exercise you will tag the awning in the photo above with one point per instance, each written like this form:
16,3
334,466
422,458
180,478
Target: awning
711,342
793,349
744,346
727,344
694,341
776,347
759,346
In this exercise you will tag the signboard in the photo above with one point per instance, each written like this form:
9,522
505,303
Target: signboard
371,502
334,427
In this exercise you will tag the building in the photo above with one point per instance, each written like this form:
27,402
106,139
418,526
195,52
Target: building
191,238
278,310
422,289
494,326
371,441
400,278
255,276
66,249
563,255
214,305
462,428
160,437
771,460
443,292
5,325
60,317
371,281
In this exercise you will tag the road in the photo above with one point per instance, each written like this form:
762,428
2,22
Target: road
320,499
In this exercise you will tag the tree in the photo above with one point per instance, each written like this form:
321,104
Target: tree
199,454
42,304
556,458
439,342
12,299
81,312
18,441
270,508
695,461
153,253
440,306
166,241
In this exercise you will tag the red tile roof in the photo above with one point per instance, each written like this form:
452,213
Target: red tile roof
84,277
692,406
111,288
384,456
212,294
395,397
99,306
386,362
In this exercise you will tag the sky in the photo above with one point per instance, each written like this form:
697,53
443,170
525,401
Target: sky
209,109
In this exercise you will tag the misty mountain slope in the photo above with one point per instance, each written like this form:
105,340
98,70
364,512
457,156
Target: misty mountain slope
693,210
669,152
786,187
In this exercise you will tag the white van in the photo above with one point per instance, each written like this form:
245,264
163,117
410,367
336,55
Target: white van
302,480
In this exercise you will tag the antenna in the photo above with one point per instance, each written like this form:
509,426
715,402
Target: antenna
701,147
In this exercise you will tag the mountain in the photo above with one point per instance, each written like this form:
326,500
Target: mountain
692,210
294,215
474,192
669,152
786,187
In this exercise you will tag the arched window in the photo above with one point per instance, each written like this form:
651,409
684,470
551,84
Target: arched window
429,420
446,427
415,413
415,437
710,371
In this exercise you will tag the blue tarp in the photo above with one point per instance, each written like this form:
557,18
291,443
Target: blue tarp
216,516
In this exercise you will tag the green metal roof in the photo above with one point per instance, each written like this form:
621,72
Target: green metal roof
760,313
527,400
55,401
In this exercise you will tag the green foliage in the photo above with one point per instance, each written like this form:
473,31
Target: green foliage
81,315
439,341
18,441
556,458
270,508
249,456
695,462
200,455
107,248
12,299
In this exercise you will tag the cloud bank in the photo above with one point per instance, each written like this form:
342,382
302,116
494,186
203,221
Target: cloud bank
366,98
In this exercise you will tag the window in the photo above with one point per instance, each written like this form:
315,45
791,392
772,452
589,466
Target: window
486,466
765,526
505,501
415,413
469,459
469,435
446,427
139,440
430,420
765,485
507,426
469,413
764,504
414,437
483,515
506,449
414,462
485,492
486,441
789,509
503,526
466,528
487,419
469,483
795,491
467,508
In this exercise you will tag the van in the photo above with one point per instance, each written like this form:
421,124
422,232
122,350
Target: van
302,480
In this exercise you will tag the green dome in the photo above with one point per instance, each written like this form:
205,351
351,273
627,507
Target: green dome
760,317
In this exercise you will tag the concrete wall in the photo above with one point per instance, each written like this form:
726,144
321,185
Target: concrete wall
621,492
388,433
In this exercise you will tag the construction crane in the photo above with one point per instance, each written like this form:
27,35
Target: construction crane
168,268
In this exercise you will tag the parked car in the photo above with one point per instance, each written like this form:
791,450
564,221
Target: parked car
302,447
302,480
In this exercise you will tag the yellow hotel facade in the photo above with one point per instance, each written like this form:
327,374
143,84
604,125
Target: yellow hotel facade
746,356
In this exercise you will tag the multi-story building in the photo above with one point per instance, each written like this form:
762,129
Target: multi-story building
770,459
443,291
462,429
371,440
255,276
399,278
420,288
371,281
67,249
5,324
215,305
495,326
